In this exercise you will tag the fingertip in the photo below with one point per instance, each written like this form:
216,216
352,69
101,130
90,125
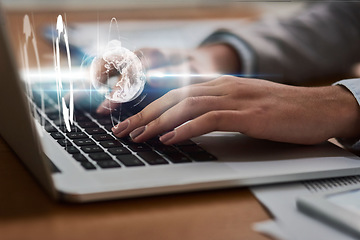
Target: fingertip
166,138
120,128
104,107
137,132
101,110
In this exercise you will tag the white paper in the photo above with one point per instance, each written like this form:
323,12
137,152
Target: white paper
280,200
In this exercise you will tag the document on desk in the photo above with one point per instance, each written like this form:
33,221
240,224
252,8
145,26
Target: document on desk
289,223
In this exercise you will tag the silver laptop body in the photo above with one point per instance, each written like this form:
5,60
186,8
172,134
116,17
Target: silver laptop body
241,161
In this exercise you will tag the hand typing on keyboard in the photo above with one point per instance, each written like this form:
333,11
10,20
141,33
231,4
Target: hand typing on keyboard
257,108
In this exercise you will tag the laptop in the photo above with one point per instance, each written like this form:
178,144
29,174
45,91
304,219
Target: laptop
88,163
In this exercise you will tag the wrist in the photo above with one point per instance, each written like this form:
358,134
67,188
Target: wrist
346,113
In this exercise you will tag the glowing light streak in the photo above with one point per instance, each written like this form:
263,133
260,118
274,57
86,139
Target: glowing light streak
68,113
48,75
29,33
155,74
181,75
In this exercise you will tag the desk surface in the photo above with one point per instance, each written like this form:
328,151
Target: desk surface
26,212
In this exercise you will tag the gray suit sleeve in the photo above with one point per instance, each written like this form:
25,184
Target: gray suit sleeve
321,40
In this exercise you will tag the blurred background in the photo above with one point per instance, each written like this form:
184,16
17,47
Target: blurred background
281,7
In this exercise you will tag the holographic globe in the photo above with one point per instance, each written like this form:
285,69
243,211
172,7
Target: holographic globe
118,73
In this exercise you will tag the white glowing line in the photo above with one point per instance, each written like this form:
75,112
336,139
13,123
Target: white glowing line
163,75
153,74
68,113
114,21
28,31
49,75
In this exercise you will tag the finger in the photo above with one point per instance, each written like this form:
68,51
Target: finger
184,111
221,79
159,106
206,123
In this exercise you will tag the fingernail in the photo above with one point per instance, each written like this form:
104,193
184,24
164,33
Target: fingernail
166,137
137,132
120,127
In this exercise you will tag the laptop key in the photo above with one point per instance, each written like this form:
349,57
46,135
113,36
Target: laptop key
154,142
176,157
50,128
100,116
108,127
81,118
165,149
57,135
64,142
79,157
108,164
84,142
88,166
126,140
191,149
91,149
72,149
87,124
152,158
139,147
119,151
130,160
64,129
102,137
111,144
76,135
93,131
105,121
100,156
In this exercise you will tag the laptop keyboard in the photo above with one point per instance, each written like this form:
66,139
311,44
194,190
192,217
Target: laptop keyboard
93,145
